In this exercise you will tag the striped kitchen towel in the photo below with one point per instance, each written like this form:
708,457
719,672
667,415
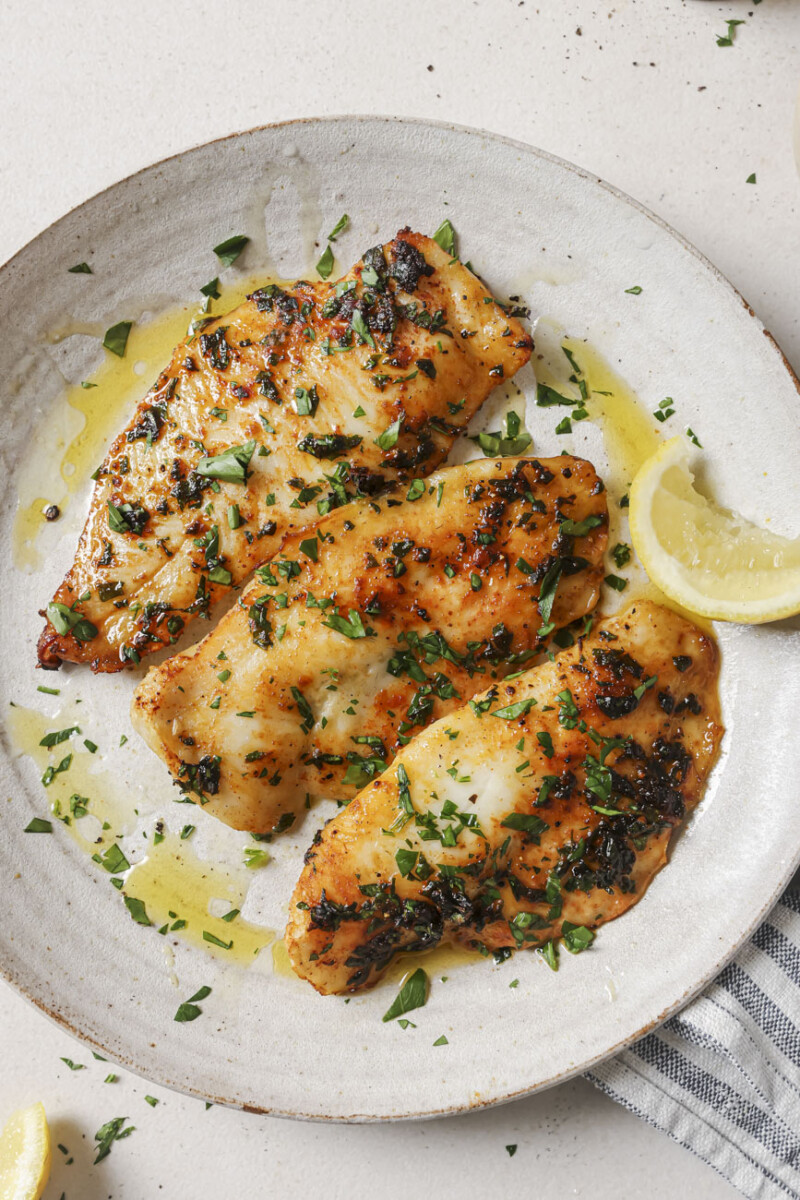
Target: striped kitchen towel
723,1076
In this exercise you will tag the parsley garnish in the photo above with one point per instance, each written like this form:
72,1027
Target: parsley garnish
515,710
228,251
38,825
508,444
445,237
546,742
361,327
137,910
116,338
325,263
525,823
56,738
304,708
576,937
729,38
65,620
215,941
109,1133
231,465
189,1010
643,687
580,528
547,592
389,437
352,626
413,994
621,554
114,860
340,225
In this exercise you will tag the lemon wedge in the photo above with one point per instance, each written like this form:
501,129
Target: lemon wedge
25,1155
709,560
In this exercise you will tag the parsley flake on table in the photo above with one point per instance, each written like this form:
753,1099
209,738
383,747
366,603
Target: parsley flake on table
109,1133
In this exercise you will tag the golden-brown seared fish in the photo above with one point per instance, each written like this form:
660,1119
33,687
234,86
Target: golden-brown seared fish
540,810
386,616
236,444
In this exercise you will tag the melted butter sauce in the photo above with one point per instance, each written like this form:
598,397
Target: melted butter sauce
173,883
76,440
629,434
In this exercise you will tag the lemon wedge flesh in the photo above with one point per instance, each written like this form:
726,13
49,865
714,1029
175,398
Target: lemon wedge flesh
709,560
25,1155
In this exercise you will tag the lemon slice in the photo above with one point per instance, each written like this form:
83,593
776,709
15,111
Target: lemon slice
709,560
25,1155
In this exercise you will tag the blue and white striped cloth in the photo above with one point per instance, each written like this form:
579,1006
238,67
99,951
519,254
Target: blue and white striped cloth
723,1076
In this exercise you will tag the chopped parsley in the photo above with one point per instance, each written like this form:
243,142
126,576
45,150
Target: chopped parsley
616,582
339,227
513,441
228,251
325,263
351,626
413,994
116,338
38,825
445,236
621,554
389,437
511,711
230,466
190,1010
109,1133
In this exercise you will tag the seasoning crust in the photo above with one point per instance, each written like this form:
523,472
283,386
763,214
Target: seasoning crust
539,810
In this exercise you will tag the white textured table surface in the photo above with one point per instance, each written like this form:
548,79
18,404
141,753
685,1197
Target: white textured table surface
637,91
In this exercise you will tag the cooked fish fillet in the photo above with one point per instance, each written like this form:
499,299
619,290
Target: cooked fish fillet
234,446
542,809
386,616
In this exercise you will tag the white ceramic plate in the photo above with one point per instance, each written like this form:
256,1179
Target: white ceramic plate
534,226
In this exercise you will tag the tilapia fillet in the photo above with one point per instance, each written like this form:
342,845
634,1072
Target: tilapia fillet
299,399
385,617
541,809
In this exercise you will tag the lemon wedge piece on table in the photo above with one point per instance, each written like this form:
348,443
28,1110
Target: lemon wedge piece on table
25,1155
709,560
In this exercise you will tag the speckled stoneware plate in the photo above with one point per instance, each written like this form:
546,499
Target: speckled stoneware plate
571,247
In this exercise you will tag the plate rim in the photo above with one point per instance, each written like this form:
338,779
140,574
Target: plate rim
784,877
